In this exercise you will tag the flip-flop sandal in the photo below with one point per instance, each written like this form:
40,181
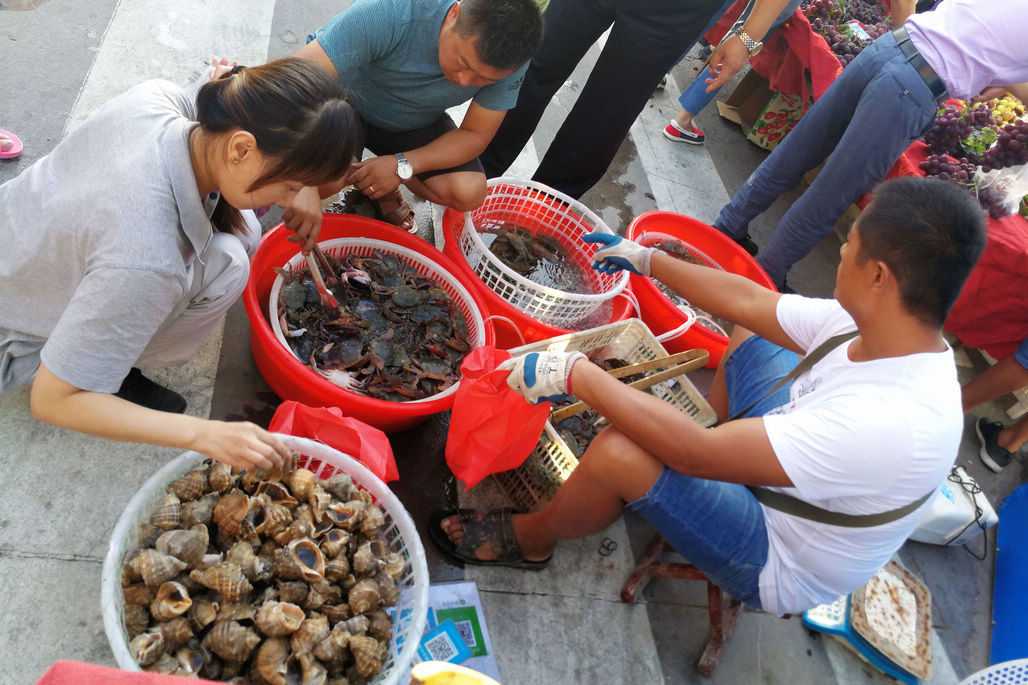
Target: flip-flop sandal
401,216
494,527
15,150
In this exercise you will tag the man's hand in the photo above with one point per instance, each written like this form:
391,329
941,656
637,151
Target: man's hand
375,177
303,217
619,254
990,93
728,58
541,376
241,444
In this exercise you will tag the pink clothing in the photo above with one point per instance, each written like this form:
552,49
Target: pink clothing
973,44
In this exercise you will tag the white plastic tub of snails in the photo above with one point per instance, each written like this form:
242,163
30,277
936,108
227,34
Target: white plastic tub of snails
314,574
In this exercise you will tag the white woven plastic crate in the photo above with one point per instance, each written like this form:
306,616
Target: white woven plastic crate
536,481
540,210
411,610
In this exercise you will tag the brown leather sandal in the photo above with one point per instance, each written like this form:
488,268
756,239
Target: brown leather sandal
396,211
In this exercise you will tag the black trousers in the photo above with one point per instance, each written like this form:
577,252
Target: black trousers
647,38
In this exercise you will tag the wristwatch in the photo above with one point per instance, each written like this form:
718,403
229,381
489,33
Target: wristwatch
752,46
403,168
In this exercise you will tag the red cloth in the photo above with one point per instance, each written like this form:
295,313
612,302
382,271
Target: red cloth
78,673
992,310
788,55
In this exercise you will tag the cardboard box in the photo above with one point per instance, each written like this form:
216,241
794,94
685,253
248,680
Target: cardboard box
765,116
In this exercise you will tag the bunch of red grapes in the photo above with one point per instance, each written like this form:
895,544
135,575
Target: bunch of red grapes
1010,149
953,125
961,172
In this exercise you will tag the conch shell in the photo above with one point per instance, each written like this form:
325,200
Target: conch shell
177,632
332,650
300,483
231,641
242,553
364,596
335,542
365,563
369,654
202,613
172,600
322,592
147,648
231,511
309,558
138,594
168,513
341,485
337,569
277,493
346,515
137,619
186,545
190,486
277,517
273,661
220,477
276,619
380,626
190,661
314,672
156,567
374,519
312,631
199,511
226,578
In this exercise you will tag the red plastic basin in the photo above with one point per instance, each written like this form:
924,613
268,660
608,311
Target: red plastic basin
658,311
521,329
289,378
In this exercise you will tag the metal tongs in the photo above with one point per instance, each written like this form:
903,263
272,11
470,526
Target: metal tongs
684,362
316,256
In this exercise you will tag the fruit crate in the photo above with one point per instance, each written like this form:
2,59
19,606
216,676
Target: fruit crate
537,480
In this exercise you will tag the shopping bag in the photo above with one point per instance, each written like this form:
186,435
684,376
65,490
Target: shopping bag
492,428
327,425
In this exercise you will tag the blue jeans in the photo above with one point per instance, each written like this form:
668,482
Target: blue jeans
1021,354
872,112
719,527
694,98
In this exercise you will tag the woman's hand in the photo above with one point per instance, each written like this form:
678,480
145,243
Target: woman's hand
241,444
303,217
220,67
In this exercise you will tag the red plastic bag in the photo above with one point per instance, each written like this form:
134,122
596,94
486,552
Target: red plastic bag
327,425
492,428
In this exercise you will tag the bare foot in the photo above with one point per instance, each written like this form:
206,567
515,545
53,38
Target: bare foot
5,143
451,525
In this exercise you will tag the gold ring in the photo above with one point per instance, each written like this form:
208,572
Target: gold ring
372,189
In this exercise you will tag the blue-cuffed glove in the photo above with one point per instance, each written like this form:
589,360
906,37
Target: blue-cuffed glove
618,254
541,376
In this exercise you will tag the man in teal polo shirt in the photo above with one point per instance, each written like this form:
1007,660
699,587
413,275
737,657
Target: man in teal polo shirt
403,63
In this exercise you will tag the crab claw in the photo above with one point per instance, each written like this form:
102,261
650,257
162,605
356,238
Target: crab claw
346,380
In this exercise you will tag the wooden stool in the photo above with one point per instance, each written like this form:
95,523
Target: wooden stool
722,615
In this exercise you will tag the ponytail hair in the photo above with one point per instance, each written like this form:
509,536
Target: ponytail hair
297,114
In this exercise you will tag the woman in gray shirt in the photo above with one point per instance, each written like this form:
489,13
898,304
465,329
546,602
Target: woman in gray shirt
125,245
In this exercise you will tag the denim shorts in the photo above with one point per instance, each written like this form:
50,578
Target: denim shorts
1021,354
719,527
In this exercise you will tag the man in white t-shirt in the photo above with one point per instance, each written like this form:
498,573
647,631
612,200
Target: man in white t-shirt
871,427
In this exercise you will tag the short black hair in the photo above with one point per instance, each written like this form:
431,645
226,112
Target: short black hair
507,32
930,233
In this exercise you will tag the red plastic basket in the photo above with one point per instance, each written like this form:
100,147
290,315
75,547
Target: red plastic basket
286,375
658,311
513,327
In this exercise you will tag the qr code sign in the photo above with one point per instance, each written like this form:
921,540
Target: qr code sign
440,648
467,632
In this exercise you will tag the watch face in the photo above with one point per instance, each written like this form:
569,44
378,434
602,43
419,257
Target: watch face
403,168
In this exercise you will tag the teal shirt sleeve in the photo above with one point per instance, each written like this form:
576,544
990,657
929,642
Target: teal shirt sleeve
503,94
362,33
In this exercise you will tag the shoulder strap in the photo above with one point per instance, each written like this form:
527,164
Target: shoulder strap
813,357
797,507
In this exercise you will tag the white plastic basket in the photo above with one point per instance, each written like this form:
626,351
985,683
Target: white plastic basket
365,247
411,610
537,480
541,210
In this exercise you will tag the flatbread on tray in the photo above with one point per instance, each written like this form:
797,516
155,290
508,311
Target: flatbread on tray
893,612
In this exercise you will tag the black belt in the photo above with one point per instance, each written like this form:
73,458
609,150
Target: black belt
924,70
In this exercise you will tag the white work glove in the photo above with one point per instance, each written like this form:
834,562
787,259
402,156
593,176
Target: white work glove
541,376
618,254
